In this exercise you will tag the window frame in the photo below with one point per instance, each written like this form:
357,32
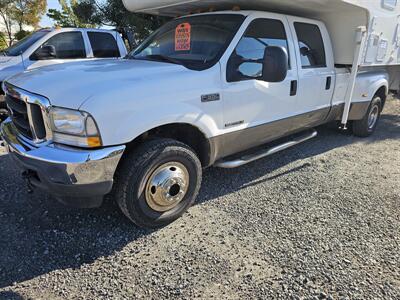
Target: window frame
325,65
89,32
285,29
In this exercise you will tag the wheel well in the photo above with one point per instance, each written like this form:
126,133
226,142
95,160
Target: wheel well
381,92
184,133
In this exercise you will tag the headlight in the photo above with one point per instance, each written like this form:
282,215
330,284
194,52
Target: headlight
75,128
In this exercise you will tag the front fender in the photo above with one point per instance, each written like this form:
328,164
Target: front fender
120,126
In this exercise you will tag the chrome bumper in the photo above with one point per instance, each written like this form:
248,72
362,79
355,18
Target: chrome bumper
75,176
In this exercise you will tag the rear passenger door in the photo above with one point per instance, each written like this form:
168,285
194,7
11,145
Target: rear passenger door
316,70
103,44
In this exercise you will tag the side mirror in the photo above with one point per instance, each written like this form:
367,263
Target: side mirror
45,52
275,64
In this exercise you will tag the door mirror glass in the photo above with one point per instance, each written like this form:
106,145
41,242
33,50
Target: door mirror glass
46,52
275,64
251,69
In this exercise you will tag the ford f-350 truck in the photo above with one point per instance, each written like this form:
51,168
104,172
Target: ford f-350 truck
204,90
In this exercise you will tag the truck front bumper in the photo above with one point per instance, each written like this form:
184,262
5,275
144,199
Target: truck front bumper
76,177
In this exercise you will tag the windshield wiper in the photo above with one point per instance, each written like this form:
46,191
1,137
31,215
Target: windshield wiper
164,58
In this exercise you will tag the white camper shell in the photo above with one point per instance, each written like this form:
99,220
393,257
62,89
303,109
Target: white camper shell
341,17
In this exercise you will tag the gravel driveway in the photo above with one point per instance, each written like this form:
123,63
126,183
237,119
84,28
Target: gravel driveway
321,220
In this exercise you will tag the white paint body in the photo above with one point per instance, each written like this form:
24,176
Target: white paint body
130,97
12,65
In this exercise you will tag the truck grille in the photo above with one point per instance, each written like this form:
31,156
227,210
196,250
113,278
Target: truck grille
26,117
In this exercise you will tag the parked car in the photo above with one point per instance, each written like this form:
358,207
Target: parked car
55,46
204,90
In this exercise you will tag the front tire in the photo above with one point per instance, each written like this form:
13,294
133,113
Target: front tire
367,125
158,182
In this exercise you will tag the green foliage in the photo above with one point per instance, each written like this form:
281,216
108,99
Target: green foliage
3,41
21,34
29,12
17,13
68,17
113,13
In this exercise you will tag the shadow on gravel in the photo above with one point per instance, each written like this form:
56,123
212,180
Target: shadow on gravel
10,296
39,235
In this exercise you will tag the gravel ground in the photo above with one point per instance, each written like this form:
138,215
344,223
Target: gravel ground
321,220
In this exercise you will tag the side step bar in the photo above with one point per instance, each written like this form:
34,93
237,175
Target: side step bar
261,154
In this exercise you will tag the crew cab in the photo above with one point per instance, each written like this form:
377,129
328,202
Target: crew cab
55,46
211,89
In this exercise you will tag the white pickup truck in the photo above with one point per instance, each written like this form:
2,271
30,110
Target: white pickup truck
55,46
204,90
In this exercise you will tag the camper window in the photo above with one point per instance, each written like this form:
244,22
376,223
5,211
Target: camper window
311,45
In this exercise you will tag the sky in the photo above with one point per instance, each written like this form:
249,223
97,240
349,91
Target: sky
46,22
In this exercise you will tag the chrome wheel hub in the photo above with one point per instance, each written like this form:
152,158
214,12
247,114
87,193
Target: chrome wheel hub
373,117
167,186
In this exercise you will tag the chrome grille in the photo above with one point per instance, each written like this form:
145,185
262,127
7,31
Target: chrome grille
28,113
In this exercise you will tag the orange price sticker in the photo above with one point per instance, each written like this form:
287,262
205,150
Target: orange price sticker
182,37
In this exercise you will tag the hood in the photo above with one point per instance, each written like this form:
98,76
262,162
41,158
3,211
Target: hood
4,59
71,84
9,66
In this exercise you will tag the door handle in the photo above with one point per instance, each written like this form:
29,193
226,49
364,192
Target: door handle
328,83
293,88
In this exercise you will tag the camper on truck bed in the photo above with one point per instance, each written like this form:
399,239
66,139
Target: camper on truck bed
55,46
203,90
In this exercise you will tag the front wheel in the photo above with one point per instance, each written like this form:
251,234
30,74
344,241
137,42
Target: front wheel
158,182
367,125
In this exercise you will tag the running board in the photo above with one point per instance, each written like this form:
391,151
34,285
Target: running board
261,154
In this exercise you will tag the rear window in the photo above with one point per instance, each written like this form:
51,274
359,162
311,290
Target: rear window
311,45
103,44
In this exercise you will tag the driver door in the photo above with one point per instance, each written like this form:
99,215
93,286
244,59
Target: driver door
255,111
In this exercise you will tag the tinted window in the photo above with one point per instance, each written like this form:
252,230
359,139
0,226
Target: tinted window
21,46
260,34
68,45
103,44
311,45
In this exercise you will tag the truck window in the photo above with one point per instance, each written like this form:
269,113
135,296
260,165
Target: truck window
260,34
196,42
23,45
311,46
68,45
103,45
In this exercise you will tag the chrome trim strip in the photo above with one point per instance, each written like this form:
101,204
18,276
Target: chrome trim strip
33,99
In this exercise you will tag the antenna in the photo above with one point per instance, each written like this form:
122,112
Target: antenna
23,61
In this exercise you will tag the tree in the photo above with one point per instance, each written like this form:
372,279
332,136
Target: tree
21,34
6,15
17,13
29,12
3,41
113,13
68,17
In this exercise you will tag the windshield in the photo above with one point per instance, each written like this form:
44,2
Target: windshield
196,42
21,46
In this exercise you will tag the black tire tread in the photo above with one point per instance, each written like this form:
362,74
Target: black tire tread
360,127
135,162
